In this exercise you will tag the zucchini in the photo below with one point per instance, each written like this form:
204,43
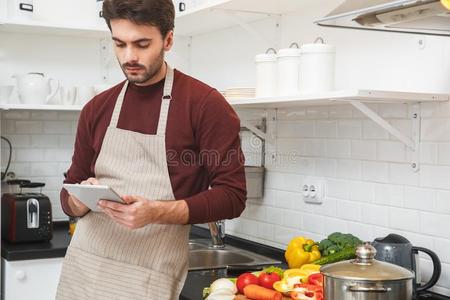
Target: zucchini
345,254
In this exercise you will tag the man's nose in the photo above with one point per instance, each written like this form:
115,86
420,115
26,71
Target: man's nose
130,55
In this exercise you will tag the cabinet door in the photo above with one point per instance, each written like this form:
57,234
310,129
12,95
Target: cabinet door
31,279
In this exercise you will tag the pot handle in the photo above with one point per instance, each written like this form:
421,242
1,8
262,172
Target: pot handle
436,268
56,89
368,289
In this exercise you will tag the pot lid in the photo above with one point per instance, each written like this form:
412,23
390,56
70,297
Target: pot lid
366,268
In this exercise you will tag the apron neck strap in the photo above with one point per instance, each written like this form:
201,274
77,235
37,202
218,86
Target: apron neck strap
165,102
167,96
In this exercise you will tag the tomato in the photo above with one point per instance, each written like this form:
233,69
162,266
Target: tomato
245,279
316,279
268,279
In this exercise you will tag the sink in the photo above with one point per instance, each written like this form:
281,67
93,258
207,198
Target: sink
202,257
196,246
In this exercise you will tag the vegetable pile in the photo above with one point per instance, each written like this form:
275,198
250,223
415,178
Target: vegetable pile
302,281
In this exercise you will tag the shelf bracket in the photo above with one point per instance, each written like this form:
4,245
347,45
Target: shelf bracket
412,143
247,27
261,133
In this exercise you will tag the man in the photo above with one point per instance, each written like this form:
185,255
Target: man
169,144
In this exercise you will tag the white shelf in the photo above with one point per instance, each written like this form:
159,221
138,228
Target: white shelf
41,107
35,27
215,14
358,99
335,97
212,16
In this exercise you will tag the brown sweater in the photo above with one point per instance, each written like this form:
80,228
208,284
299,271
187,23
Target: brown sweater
202,141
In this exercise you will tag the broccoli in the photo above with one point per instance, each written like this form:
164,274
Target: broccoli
324,244
337,242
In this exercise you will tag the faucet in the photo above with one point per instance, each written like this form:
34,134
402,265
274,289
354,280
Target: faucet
217,230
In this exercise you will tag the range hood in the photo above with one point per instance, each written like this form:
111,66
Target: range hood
411,16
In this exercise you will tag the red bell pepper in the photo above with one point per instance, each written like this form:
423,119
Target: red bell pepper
316,279
305,291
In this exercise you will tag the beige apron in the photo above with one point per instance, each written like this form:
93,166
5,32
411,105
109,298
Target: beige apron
106,260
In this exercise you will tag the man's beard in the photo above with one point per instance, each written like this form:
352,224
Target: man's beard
149,72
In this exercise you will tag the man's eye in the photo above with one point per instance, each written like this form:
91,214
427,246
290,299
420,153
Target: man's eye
120,45
143,46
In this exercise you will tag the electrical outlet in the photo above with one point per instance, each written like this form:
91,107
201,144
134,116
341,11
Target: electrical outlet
313,190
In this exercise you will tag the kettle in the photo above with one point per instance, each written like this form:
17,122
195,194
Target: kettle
35,88
396,249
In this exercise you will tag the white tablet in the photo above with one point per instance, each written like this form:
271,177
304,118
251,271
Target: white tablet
91,194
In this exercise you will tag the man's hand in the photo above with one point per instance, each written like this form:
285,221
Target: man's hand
77,207
140,211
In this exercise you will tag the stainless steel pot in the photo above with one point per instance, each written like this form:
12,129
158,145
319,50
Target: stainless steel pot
365,278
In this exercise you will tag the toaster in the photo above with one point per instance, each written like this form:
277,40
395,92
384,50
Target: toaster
26,217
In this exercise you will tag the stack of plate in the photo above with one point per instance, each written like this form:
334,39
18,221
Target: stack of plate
239,93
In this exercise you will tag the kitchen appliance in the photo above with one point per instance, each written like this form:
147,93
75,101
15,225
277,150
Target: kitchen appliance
288,61
398,250
26,217
317,67
35,88
266,74
20,9
366,278
412,16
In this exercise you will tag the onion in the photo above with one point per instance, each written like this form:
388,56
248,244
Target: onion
222,294
223,284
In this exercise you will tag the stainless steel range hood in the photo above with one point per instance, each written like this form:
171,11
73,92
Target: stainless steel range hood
411,16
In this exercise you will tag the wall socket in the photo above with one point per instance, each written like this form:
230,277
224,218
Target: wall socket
313,190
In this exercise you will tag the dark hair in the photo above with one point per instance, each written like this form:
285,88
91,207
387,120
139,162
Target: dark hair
158,13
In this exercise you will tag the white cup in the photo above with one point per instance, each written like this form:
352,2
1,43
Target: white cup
5,93
84,94
67,95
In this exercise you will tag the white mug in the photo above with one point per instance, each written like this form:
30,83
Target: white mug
84,94
5,93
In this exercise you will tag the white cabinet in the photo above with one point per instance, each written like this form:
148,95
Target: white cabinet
30,279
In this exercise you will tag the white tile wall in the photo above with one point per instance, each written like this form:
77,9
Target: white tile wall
371,190
42,148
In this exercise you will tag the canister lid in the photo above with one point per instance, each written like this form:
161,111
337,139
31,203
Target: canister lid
317,48
266,57
366,268
289,52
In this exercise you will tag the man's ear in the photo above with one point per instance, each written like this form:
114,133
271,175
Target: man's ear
168,41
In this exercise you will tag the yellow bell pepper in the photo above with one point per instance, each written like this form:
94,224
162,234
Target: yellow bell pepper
446,3
291,277
301,251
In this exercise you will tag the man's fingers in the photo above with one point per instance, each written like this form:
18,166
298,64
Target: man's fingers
112,205
91,180
130,199
118,217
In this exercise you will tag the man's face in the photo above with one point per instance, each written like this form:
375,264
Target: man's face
139,49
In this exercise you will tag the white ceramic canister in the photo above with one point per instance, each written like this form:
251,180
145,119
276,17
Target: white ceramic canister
99,12
266,74
20,9
288,64
317,67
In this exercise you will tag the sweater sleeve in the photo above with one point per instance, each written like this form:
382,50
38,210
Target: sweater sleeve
82,158
217,136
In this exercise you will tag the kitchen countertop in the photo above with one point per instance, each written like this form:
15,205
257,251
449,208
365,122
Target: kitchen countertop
39,250
195,281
